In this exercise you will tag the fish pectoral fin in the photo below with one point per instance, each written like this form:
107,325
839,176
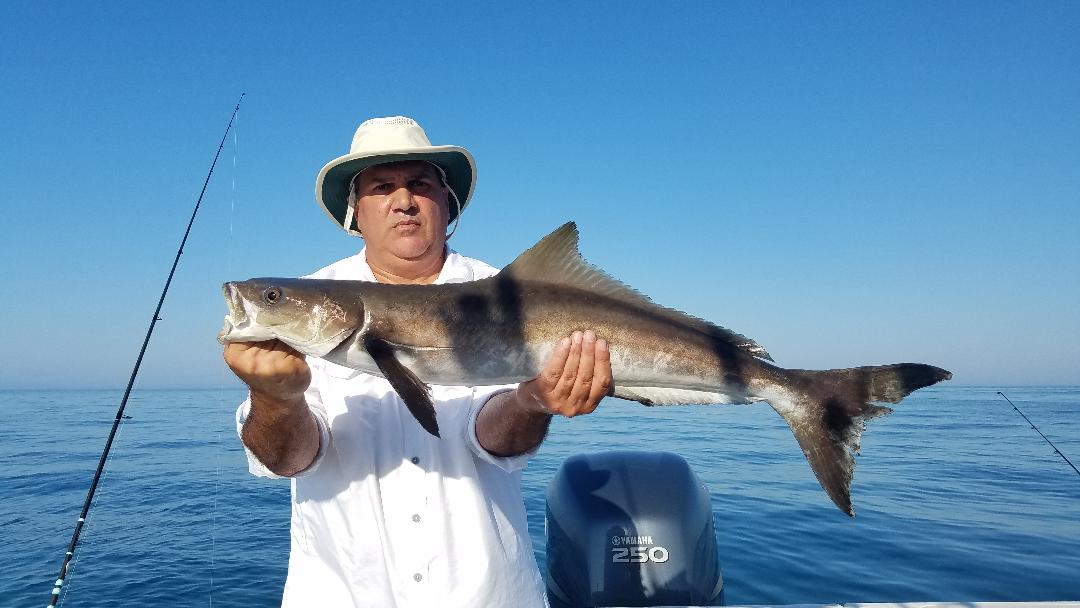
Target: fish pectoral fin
412,390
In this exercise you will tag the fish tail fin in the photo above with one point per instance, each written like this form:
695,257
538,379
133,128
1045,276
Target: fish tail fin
828,410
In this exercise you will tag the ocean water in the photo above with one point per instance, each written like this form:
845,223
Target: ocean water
957,497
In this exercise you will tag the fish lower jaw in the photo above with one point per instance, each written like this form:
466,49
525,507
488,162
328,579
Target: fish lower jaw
243,332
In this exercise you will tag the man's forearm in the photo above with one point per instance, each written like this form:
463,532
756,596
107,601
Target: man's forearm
283,434
572,382
508,425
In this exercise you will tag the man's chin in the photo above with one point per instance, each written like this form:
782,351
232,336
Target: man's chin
414,247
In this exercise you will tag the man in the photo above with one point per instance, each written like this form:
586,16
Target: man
385,514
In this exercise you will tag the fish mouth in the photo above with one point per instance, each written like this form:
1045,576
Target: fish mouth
238,319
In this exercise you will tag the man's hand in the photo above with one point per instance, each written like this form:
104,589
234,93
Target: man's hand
271,368
574,380
577,376
280,429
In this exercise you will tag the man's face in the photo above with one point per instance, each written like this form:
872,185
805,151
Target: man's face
401,209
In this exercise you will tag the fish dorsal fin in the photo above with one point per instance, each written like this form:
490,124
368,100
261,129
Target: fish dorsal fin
556,260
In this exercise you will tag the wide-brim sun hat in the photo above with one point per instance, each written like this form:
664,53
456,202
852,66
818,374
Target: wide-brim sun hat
387,140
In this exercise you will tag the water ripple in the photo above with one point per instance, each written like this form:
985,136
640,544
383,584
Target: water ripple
958,499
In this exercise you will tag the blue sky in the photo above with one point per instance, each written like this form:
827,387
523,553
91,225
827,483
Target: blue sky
847,183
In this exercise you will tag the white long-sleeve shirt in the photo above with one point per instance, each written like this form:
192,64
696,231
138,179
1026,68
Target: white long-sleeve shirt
389,515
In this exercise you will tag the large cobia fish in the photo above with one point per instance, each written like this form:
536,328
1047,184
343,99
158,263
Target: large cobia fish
502,330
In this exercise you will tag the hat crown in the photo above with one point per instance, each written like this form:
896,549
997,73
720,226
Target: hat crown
388,133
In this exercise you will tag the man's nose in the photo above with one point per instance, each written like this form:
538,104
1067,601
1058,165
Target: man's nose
401,199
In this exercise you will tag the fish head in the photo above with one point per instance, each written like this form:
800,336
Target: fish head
307,314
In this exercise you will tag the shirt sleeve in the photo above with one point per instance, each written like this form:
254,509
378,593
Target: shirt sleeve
256,467
481,394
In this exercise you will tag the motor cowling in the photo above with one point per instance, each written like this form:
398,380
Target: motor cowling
630,528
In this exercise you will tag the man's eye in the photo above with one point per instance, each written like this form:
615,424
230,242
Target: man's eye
382,188
418,183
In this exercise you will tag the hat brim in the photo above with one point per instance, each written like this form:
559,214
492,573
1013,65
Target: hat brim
332,185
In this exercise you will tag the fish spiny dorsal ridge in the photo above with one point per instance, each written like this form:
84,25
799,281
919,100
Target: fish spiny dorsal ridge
556,260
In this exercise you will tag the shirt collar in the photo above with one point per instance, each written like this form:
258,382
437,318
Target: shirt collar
454,269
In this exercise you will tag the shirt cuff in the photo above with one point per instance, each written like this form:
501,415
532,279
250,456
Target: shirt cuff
257,468
509,464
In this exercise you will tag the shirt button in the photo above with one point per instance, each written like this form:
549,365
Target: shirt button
416,518
415,460
417,577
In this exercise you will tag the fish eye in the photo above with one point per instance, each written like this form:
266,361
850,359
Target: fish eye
272,295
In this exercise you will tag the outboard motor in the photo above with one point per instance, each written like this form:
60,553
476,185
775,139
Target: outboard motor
630,529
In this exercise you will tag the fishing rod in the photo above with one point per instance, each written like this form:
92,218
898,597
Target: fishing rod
1056,450
58,585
